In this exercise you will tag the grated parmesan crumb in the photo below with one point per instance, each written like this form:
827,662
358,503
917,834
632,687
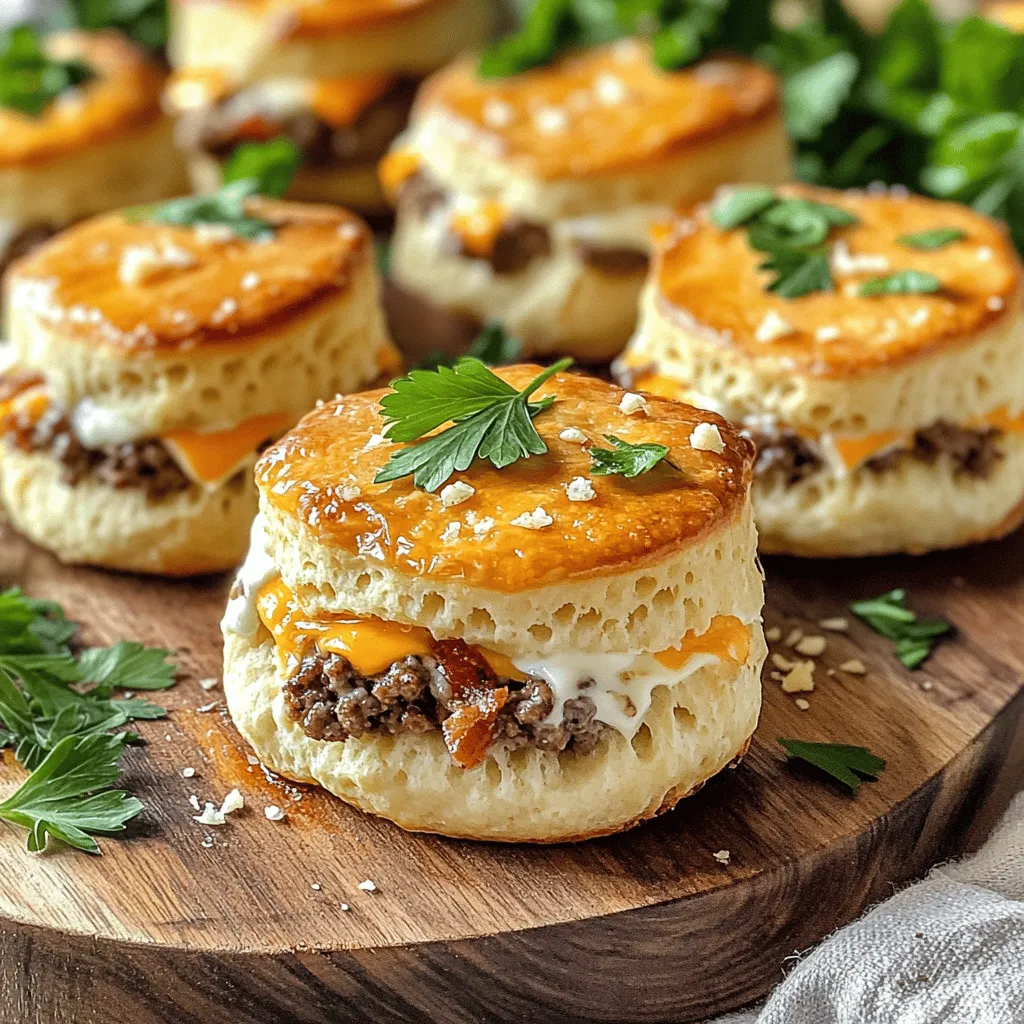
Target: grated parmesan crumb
802,704
345,907
836,625
376,440
722,856
706,437
844,262
456,493
580,489
551,120
794,637
827,333
368,886
498,114
800,678
209,684
773,327
188,773
994,303
854,666
632,403
273,813
573,434
812,646
535,520
610,89
250,281
142,263
451,532
772,634
483,526
234,801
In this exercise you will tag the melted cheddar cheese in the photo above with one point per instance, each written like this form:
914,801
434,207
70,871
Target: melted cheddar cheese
726,638
396,169
210,458
371,645
478,226
339,101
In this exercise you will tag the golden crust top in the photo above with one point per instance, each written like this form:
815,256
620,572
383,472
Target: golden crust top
145,287
298,18
602,110
708,279
322,474
124,95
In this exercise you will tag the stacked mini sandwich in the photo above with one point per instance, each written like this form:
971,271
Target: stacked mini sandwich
551,631
336,76
528,198
155,351
81,132
869,342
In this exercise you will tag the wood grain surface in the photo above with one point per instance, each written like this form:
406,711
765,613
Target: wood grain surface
244,924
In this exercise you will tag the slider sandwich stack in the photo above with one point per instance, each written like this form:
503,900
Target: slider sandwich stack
156,351
870,343
539,622
81,132
528,198
337,77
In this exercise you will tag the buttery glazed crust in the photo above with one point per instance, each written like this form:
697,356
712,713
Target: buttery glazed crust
72,283
707,280
123,97
304,477
604,110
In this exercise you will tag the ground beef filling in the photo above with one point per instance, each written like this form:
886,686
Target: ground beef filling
454,691
218,129
613,261
974,452
145,464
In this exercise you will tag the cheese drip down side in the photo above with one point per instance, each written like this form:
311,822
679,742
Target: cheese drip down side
620,685
847,451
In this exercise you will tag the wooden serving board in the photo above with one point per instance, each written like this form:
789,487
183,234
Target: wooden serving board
183,924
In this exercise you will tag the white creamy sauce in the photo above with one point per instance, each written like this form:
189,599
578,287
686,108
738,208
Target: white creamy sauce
256,572
629,228
622,683
96,425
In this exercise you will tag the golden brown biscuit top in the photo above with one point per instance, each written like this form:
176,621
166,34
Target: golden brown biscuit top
298,18
601,110
146,287
322,473
710,278
125,94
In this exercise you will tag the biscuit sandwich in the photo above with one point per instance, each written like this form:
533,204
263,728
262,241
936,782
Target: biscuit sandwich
155,351
81,132
871,344
555,639
527,199
337,77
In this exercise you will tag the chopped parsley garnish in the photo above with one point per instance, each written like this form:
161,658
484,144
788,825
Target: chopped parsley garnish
30,80
914,638
792,233
58,714
849,765
272,165
625,459
268,169
145,21
936,238
902,282
490,420
683,31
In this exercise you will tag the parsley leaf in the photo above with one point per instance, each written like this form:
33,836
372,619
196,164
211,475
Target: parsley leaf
846,764
490,420
30,80
902,282
68,797
145,21
735,207
127,665
936,238
914,638
798,273
272,165
625,459
225,206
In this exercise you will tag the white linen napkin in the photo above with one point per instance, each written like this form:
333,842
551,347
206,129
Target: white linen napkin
946,950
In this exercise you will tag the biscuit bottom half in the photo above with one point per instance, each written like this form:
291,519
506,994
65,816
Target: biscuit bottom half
196,531
692,730
912,507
